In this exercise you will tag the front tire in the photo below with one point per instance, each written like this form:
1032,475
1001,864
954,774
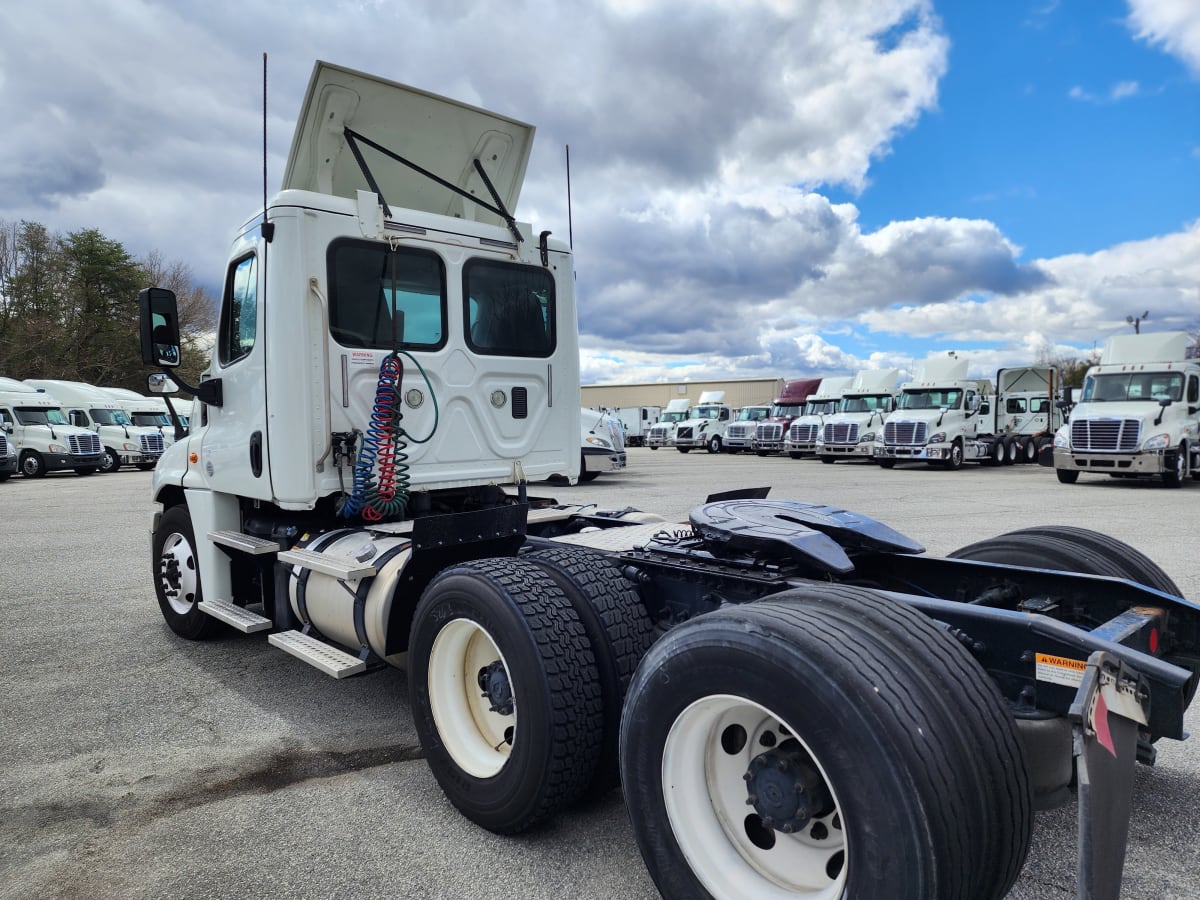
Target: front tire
85,470
1176,468
714,444
32,465
505,693
683,449
1067,476
954,461
721,751
177,576
829,460
886,463
111,461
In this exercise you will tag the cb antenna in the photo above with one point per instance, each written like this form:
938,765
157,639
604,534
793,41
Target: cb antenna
268,228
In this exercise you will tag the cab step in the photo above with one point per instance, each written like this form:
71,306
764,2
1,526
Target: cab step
236,616
246,543
341,569
327,658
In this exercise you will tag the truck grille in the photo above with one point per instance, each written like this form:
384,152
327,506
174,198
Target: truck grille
905,432
683,432
802,433
151,443
769,432
83,444
739,431
3,446
841,433
1105,434
616,434
660,431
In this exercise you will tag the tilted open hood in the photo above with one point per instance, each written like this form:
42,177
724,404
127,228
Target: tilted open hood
441,136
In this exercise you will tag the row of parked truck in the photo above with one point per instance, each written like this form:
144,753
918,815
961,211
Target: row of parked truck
1138,413
49,425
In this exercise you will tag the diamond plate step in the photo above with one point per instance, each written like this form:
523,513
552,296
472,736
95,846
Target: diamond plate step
342,569
327,658
238,617
247,543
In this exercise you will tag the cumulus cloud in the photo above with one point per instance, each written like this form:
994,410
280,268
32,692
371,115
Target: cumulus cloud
1173,25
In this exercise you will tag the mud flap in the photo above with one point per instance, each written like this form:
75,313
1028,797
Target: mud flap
1111,703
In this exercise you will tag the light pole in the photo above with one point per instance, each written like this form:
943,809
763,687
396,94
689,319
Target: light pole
1137,322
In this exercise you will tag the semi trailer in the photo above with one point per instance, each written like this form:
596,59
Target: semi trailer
796,700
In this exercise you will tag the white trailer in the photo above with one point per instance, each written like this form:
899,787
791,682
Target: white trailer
636,422
663,433
392,367
705,425
39,435
88,406
1138,413
850,432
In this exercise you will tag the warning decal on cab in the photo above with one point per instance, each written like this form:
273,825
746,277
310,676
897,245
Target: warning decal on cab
1060,670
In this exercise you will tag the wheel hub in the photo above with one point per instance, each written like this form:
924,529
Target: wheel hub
171,575
785,789
493,681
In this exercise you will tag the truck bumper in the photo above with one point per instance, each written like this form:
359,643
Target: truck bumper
596,459
58,462
860,451
799,447
768,446
8,465
900,451
696,443
133,459
1110,463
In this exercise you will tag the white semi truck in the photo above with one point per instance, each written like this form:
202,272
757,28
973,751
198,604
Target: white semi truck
850,432
739,435
704,428
1138,413
150,412
87,406
663,434
944,418
41,437
355,487
801,437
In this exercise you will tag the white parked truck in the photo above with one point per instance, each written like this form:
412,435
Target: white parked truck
88,406
1138,413
41,437
801,437
739,435
705,425
663,433
944,419
851,431
603,445
753,678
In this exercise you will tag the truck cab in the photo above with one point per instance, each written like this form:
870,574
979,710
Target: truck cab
93,408
851,431
938,413
39,435
739,435
705,425
662,434
1138,413
801,439
769,434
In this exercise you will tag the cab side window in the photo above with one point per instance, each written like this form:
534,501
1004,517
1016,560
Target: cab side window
1193,394
509,310
239,312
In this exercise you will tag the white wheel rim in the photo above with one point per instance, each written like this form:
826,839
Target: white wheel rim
478,739
705,796
183,597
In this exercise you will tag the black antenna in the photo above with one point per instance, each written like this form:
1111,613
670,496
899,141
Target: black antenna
570,224
268,228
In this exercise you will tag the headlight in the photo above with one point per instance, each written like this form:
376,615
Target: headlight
867,438
1062,438
57,448
1158,442
129,446
939,438
599,442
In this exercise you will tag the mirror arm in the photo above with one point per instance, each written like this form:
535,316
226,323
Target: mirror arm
209,391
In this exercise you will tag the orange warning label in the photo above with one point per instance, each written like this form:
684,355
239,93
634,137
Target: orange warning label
1060,670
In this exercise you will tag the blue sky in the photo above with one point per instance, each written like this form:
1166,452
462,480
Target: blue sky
760,187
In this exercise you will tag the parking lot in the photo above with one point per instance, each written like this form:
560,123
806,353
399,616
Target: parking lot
141,765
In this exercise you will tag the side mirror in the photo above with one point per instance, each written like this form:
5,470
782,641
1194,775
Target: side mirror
7,426
158,383
159,321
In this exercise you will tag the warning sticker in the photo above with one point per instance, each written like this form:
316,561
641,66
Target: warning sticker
362,358
1060,670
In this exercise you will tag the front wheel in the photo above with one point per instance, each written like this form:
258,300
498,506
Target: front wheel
955,459
886,463
1067,476
1175,468
85,470
683,449
829,460
738,786
714,444
145,466
505,693
177,576
32,465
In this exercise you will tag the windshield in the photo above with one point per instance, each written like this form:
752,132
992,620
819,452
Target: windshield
674,416
706,412
40,415
150,420
1155,386
867,404
752,413
786,410
820,407
109,417
934,398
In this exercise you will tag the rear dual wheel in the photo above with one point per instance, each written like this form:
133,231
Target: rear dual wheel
767,751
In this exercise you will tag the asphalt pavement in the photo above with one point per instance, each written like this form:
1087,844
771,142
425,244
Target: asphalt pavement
137,764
